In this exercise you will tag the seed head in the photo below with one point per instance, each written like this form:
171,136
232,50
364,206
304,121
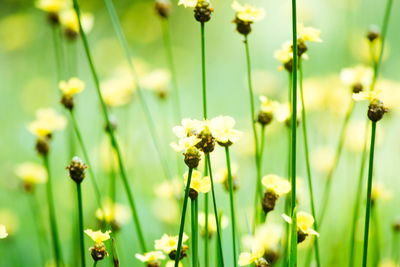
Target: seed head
67,101
207,142
192,157
43,145
77,169
202,11
163,8
98,251
373,33
269,201
243,27
376,110
264,118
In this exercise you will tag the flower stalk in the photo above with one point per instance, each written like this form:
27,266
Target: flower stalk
195,219
81,229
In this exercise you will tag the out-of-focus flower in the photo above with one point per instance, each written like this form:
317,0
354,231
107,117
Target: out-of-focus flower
198,183
70,23
3,232
285,56
47,121
355,136
370,95
98,236
323,158
188,128
172,264
223,130
151,257
308,33
51,6
117,91
166,210
248,13
98,251
276,184
169,243
221,176
212,224
185,143
31,173
188,3
72,86
268,105
358,77
379,191
256,256
115,214
304,223
387,263
158,81
169,189
10,221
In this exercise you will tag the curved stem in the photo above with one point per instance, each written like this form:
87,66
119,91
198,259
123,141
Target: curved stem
149,119
52,214
81,229
111,133
308,165
369,188
183,216
215,212
232,205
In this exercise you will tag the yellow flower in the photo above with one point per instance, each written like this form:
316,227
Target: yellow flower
113,213
172,264
117,91
267,105
98,236
185,143
189,127
188,3
10,222
212,224
69,20
246,258
285,54
304,222
47,121
169,189
223,131
51,6
370,95
31,173
277,184
283,112
387,263
169,243
152,256
379,191
308,33
72,87
324,159
357,75
157,81
3,231
197,183
247,12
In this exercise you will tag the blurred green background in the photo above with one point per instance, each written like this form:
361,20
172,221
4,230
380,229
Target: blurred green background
28,82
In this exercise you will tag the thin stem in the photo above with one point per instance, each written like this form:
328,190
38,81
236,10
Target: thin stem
258,192
358,200
94,263
115,258
111,133
215,212
194,216
232,205
170,59
203,70
149,119
308,165
58,53
39,227
183,215
377,240
369,188
395,246
293,235
52,214
206,235
86,156
81,229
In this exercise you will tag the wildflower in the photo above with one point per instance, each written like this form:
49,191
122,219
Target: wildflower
188,128
169,189
376,108
379,191
308,33
10,221
113,213
166,209
3,232
245,16
191,153
256,256
223,130
98,251
358,77
197,184
212,224
163,8
222,177
304,223
324,159
285,56
157,81
69,89
152,258
117,91
47,121
268,107
276,186
77,169
268,237
172,264
206,136
31,174
373,33
396,225
169,245
188,3
52,7
70,23
202,11
283,113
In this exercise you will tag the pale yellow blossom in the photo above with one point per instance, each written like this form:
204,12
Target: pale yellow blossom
359,74
98,236
51,6
304,222
152,256
198,183
31,173
3,232
169,243
188,3
277,184
222,129
308,33
69,20
72,86
47,121
247,12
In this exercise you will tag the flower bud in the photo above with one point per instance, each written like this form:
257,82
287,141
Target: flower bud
113,123
376,110
261,262
202,11
77,169
172,254
207,142
193,194
154,264
192,157
301,47
373,33
98,251
269,201
358,87
396,226
271,255
53,18
43,145
301,236
243,27
67,101
264,118
163,8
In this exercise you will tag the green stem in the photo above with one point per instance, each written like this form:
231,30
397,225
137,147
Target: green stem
39,227
215,212
293,235
114,252
308,165
194,233
111,133
395,246
232,205
58,53
206,235
81,229
258,192
86,156
369,188
94,263
203,70
383,38
358,200
375,218
170,59
153,132
52,214
183,216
